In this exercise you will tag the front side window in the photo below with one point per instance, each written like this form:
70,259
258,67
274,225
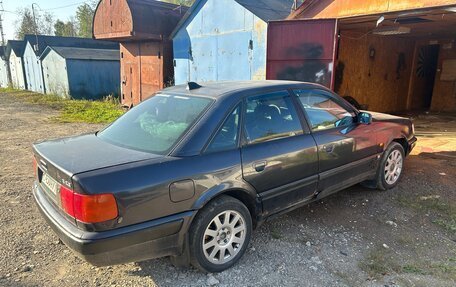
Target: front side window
227,136
323,112
156,124
271,116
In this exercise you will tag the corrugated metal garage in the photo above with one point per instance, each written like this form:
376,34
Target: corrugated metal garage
35,46
225,39
81,73
4,69
142,27
14,54
390,56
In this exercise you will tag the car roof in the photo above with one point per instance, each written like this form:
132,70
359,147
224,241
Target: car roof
226,88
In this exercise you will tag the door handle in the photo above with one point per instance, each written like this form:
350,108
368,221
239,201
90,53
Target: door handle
259,166
328,148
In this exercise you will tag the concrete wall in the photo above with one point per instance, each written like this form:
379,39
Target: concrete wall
17,72
33,70
214,44
55,74
89,79
444,95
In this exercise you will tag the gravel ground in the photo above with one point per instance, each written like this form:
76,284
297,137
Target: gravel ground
358,237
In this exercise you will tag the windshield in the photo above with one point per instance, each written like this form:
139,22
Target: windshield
156,124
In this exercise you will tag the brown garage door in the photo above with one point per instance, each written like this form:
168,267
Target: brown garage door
302,50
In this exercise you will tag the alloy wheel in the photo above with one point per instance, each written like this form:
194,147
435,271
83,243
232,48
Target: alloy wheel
224,237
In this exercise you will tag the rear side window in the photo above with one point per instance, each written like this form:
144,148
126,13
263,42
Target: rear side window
228,135
271,116
156,124
323,112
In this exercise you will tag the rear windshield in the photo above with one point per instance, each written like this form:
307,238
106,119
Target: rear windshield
156,124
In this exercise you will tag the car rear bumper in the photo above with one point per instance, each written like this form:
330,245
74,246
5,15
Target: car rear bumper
148,240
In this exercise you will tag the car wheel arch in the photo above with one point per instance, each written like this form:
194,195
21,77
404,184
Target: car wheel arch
247,196
403,142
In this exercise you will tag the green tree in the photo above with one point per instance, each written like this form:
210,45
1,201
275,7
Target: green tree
59,28
66,29
84,18
25,24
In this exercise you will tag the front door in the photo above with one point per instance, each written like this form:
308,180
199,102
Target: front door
279,158
348,151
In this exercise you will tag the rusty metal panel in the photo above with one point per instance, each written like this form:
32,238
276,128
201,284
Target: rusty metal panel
302,50
338,9
130,73
135,19
145,68
112,19
151,68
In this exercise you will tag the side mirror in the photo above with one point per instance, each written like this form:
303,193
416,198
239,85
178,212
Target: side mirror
364,118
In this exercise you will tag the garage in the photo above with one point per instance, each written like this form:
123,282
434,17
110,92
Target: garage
142,28
391,61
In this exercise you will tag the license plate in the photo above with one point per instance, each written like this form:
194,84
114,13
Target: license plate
51,184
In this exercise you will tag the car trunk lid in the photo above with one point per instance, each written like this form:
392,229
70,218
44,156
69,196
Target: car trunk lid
57,161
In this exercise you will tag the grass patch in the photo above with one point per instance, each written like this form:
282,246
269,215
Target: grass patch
413,269
443,211
90,112
103,111
378,262
276,234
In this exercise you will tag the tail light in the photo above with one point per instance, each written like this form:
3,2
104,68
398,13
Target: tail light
88,208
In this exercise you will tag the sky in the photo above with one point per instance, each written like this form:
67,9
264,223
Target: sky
56,7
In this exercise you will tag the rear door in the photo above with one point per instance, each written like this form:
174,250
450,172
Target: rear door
279,157
302,50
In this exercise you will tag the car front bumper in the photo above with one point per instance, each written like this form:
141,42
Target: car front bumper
143,241
411,144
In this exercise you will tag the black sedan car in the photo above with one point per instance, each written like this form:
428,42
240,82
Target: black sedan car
190,172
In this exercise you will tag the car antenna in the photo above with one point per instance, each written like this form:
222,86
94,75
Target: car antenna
193,86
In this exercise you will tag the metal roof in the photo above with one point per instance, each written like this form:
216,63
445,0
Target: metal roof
45,41
150,16
267,10
84,53
128,20
18,46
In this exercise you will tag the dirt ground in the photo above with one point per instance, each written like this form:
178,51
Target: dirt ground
358,237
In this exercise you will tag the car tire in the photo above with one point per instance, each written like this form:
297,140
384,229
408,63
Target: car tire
219,234
391,166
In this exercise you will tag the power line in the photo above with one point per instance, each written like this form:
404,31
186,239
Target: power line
66,6
11,12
